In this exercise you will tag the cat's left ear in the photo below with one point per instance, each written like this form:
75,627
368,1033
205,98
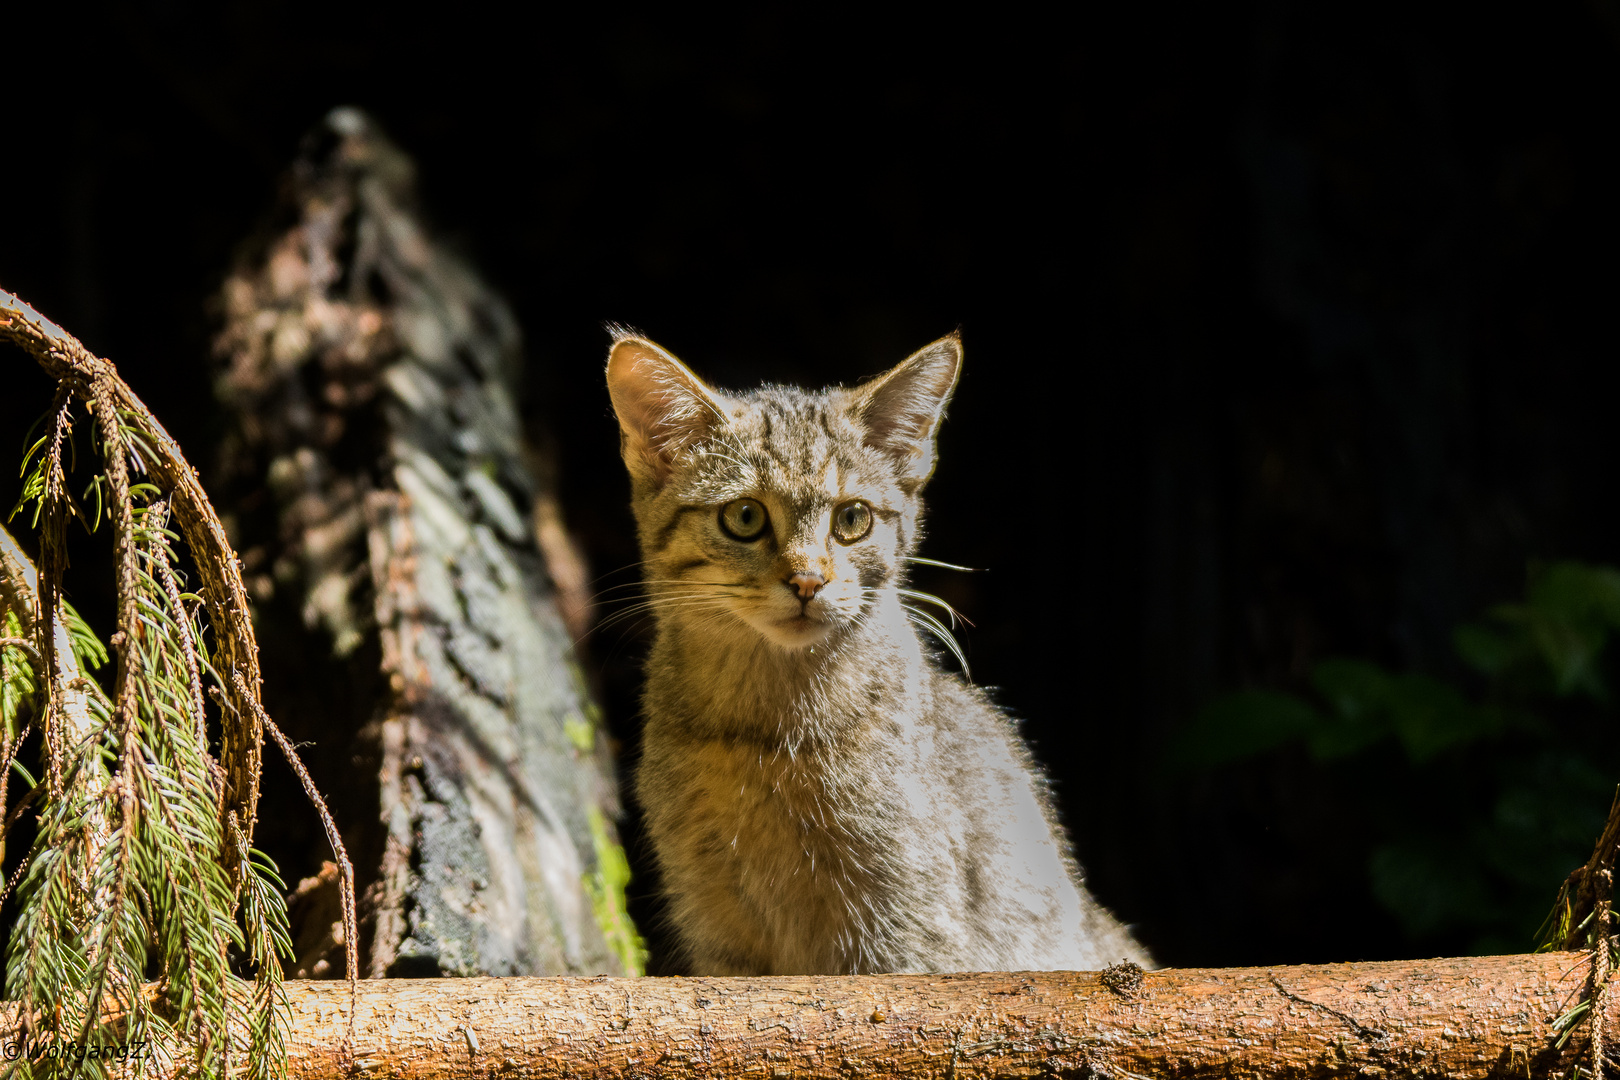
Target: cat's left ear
901,409
662,407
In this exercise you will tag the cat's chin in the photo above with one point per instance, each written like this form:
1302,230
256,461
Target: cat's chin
796,632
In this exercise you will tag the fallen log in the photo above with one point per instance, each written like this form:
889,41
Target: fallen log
1458,1018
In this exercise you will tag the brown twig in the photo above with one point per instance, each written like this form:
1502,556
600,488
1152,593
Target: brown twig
1580,891
351,931
126,570
1600,967
52,558
7,746
16,812
1587,896
16,875
188,645
26,645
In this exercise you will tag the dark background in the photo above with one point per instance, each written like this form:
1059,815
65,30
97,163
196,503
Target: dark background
1290,328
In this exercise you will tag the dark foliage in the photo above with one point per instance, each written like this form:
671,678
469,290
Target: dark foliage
1476,800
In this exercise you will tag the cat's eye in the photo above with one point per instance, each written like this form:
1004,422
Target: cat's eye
852,521
743,519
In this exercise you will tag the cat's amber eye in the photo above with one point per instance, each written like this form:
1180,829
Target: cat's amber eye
852,521
743,519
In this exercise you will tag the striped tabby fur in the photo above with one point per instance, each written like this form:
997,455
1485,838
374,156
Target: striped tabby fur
820,796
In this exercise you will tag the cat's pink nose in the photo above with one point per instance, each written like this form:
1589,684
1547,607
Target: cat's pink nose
806,583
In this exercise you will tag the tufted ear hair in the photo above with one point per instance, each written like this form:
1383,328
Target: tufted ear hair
662,407
901,409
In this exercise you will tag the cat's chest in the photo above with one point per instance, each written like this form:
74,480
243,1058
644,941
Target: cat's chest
774,815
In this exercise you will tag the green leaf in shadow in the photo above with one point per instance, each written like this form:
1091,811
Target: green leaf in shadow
1489,652
1357,695
1368,703
1428,884
1241,725
1430,716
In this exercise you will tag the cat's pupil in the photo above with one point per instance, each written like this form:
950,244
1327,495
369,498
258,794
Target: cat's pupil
852,521
743,519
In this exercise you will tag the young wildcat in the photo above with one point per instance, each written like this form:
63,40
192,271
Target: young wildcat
821,798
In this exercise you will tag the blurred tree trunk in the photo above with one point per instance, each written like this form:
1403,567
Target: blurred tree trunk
382,501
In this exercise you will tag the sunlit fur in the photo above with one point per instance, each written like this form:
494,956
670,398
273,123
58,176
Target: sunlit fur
820,796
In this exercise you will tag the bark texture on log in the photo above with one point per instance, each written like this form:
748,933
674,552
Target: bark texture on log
372,378
1464,1018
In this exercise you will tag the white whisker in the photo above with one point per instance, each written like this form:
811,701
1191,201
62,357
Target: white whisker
939,630
944,565
658,604
930,598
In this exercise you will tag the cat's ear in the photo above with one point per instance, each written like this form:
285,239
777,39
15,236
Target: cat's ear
662,407
901,409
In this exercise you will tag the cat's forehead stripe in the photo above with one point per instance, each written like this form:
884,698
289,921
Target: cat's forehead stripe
802,447
779,429
826,422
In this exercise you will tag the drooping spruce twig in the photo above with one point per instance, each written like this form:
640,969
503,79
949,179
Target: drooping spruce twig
220,583
142,863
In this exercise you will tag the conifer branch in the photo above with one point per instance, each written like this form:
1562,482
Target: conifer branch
143,852
78,370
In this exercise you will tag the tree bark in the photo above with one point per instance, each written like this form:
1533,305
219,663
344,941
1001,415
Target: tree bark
383,500
1461,1018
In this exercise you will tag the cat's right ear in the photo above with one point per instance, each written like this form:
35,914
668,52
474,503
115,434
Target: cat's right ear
662,407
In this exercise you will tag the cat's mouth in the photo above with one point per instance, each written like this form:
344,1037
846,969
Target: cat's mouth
797,631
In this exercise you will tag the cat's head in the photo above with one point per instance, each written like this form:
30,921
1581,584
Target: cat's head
787,511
